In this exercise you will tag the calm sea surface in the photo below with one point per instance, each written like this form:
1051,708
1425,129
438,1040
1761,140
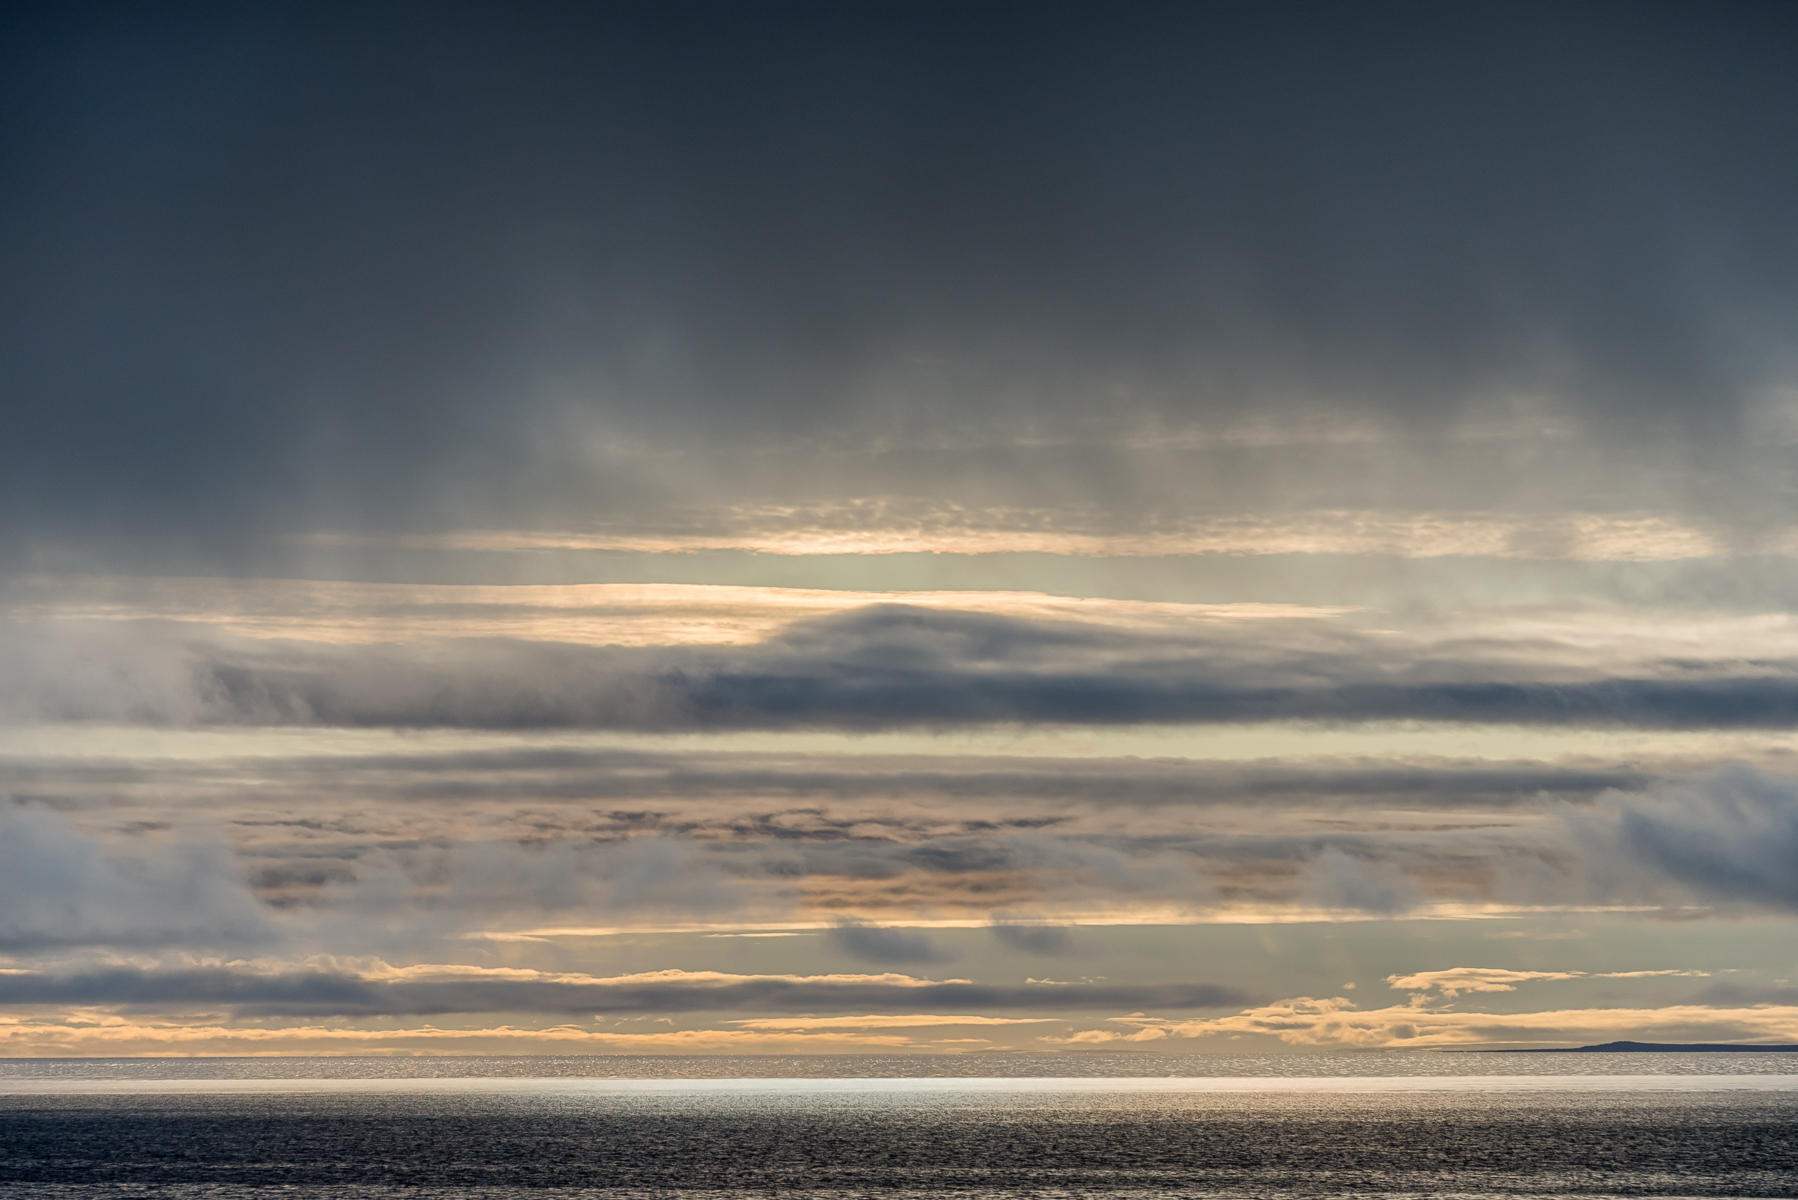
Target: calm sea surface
1416,1125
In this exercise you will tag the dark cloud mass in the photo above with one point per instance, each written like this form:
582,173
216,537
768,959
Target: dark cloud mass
292,266
883,666
1730,838
879,944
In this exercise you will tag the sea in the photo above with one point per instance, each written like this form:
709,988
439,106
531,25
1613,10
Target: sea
1015,1125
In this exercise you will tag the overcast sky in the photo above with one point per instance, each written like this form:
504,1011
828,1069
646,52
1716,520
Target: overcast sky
702,527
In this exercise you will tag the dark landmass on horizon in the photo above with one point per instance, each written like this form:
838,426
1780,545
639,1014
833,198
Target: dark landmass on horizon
1644,1048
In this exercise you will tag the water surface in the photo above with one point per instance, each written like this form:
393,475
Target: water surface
1361,1125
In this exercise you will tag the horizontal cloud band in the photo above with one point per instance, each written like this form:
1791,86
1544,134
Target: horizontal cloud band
889,666
328,993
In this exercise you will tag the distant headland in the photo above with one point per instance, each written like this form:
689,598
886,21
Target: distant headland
1648,1048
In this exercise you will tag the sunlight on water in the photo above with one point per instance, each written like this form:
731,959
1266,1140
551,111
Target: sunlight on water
994,1127
833,1139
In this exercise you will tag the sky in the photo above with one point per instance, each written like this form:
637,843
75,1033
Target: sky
797,528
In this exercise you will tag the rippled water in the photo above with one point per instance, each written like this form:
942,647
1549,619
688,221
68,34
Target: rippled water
1631,1126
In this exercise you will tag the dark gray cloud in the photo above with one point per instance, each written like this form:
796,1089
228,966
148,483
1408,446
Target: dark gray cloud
325,993
1032,937
883,666
296,265
1730,838
884,944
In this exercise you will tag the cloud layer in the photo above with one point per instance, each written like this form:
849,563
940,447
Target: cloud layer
522,269
887,666
324,993
552,527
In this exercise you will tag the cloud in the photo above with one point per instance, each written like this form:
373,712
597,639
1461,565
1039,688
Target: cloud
1031,937
857,787
1729,838
60,888
389,897
1129,305
1337,1021
843,529
884,667
356,612
337,861
882,944
632,874
49,1038
1338,880
884,1021
1454,980
697,238
257,993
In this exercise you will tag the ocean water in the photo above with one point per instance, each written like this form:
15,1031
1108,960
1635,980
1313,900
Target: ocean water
1432,1125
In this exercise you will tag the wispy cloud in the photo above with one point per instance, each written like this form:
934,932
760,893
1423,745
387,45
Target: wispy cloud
1453,981
1597,537
1338,1022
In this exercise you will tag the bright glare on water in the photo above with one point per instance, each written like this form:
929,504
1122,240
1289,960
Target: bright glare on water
1355,1125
